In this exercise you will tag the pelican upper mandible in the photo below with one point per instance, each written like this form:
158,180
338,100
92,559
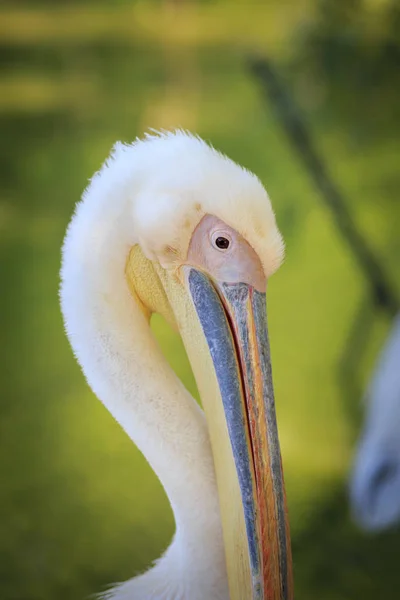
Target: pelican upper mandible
171,226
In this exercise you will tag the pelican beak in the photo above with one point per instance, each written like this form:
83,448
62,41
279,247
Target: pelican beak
233,319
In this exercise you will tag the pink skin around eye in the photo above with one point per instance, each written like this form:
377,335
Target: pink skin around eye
238,263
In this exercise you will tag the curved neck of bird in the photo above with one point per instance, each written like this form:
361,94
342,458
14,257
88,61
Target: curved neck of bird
123,364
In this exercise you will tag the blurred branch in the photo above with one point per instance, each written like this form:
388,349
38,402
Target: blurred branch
384,296
356,341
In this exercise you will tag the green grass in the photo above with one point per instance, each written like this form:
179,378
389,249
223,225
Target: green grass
80,507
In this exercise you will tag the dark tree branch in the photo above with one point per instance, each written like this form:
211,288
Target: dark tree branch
384,295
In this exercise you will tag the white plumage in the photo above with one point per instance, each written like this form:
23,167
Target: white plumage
153,193
375,482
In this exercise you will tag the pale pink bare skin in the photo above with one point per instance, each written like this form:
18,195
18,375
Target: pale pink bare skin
239,262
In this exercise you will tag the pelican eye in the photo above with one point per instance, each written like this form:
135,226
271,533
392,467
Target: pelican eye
221,242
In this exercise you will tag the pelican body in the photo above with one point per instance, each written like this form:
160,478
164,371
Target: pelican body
171,226
375,481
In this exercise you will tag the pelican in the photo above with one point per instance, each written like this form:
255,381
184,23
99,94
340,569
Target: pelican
171,226
375,481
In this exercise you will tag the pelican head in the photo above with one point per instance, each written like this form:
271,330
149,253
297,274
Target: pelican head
169,225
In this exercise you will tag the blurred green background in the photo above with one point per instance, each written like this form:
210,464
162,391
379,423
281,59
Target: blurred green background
79,506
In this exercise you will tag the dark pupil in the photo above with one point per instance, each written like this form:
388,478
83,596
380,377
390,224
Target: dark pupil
222,243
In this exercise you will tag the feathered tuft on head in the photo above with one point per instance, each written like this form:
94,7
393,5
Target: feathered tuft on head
167,182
